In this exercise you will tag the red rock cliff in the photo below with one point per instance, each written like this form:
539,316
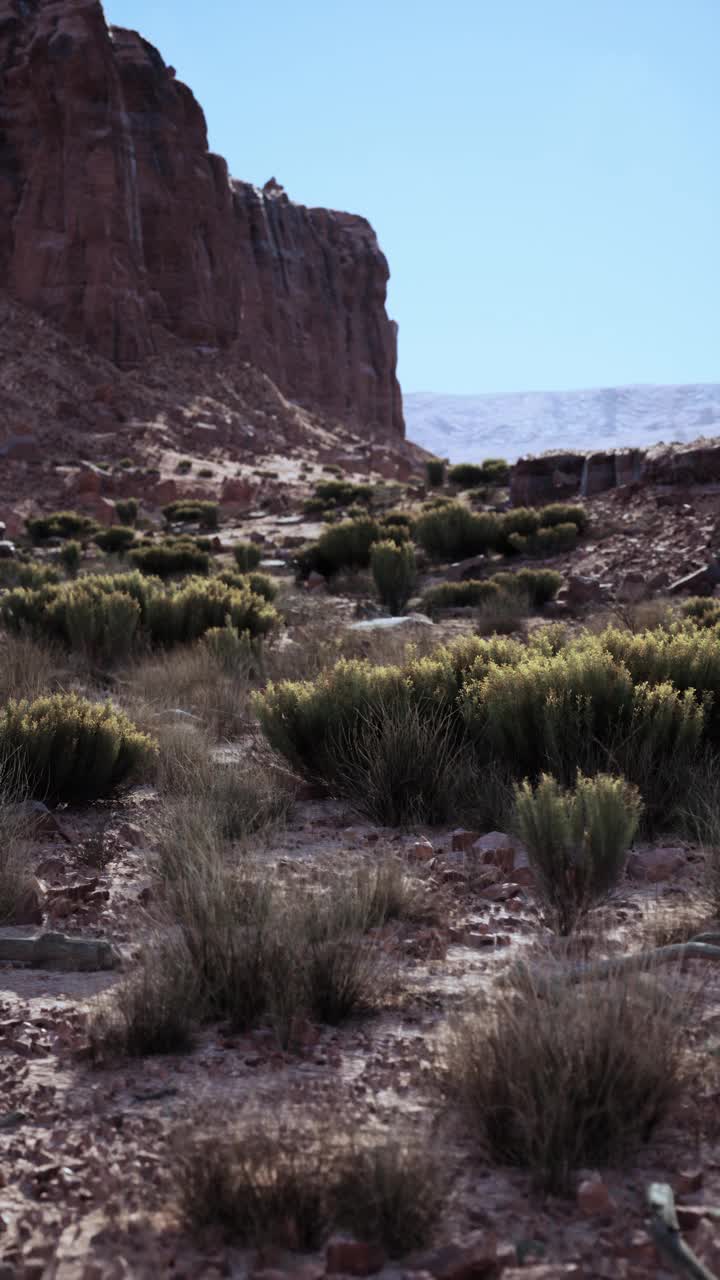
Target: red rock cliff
119,224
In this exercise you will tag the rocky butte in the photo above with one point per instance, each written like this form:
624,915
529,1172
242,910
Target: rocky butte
119,225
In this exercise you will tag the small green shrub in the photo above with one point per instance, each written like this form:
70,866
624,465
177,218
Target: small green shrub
564,513
27,573
435,473
537,586
551,541
452,532
704,611
460,595
184,466
168,559
127,510
394,572
314,506
61,524
261,583
343,546
465,475
116,539
192,511
577,841
343,492
206,473
247,556
70,749
495,471
70,556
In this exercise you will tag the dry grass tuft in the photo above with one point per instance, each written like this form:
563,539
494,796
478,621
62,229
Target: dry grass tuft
269,1180
29,668
575,1079
193,679
154,1010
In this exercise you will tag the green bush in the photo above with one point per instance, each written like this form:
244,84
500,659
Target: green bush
394,572
27,573
247,556
192,511
465,475
564,513
704,611
127,510
261,583
577,841
453,532
70,556
70,749
103,616
61,524
166,559
343,492
496,471
117,538
551,541
314,506
435,473
343,546
538,586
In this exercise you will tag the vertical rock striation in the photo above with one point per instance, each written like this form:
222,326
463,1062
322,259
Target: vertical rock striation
118,223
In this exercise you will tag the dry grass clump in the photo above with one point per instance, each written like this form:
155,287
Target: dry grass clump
577,1078
15,872
198,681
667,923
155,1009
29,667
275,1181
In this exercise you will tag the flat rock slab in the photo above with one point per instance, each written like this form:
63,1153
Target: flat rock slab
391,624
57,951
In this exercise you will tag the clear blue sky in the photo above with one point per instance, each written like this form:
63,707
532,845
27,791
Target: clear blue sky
543,175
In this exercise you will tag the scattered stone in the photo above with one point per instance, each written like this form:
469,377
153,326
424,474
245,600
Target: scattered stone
582,590
473,1260
500,892
463,840
316,581
593,1198
130,833
56,951
7,550
36,817
497,850
391,624
421,851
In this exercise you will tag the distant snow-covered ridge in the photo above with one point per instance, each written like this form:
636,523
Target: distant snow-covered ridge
470,428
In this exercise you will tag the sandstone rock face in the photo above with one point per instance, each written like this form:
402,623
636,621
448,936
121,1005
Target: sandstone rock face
118,224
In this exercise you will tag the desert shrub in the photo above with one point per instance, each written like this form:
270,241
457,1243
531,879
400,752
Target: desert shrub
117,538
452,532
101,625
167,559
206,473
261,583
504,615
71,749
184,614
552,541
435,473
495,471
704,611
30,666
192,511
577,1079
460,595
127,510
687,657
465,475
61,524
397,519
343,492
27,573
577,841
394,572
70,555
184,466
345,545
561,513
247,556
314,506
533,586
154,1009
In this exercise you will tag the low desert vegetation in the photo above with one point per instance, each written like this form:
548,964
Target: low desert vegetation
345,545
493,472
435,473
170,559
70,749
453,531
116,540
247,556
636,707
127,510
574,1079
61,524
577,841
536,587
105,617
193,511
394,573
291,1183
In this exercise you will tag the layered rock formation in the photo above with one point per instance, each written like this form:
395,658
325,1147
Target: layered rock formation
118,224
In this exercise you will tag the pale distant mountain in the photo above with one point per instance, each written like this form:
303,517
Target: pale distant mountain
471,428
